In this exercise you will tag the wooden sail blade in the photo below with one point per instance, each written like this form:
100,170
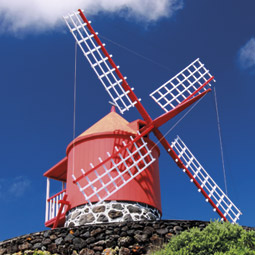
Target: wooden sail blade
192,80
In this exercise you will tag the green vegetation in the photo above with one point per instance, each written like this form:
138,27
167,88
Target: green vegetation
216,239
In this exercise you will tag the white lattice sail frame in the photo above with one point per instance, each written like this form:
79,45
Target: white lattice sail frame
99,62
213,191
192,80
130,164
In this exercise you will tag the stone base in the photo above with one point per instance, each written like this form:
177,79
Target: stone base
113,211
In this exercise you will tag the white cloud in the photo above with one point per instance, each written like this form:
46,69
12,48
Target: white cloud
40,15
247,55
19,186
15,187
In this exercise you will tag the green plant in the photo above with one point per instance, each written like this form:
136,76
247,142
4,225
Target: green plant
217,239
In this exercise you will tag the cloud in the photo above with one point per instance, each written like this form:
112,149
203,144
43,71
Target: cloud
40,15
246,55
14,188
19,186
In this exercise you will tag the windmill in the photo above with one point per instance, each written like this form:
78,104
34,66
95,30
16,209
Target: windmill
131,158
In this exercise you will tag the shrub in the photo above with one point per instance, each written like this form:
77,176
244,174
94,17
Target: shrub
217,239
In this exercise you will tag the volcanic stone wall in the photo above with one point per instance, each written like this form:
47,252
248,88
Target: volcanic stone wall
108,239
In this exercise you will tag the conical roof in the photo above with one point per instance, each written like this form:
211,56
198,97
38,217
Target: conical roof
112,122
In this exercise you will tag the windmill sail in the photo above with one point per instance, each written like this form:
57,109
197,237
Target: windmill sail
191,81
101,62
109,176
213,193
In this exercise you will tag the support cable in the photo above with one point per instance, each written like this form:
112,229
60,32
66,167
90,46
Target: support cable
220,138
74,97
137,54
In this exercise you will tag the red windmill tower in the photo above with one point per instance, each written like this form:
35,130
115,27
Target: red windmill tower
123,183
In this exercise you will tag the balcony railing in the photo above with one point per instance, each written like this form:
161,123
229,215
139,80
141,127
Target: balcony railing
53,205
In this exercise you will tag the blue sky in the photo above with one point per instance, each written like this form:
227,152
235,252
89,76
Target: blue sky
37,73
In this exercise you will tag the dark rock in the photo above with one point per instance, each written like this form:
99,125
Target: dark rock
90,240
46,233
76,233
100,236
100,243
108,232
116,230
59,240
96,231
86,219
134,209
46,241
2,251
71,224
137,249
37,240
25,246
123,233
113,214
151,216
110,242
124,251
102,218
162,231
177,229
125,228
69,238
98,248
130,232
53,237
77,241
138,232
156,240
117,206
109,251
86,210
37,246
148,230
141,238
125,241
86,251
86,234
98,209
127,217
75,214
52,248
168,236
137,226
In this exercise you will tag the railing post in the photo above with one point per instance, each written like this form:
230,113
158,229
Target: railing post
47,197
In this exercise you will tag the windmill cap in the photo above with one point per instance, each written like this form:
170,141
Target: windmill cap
112,123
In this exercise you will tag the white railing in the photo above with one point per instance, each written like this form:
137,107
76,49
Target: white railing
53,205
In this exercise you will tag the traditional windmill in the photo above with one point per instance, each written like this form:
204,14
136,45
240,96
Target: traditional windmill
123,183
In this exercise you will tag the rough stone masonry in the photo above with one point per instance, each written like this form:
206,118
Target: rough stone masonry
107,239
